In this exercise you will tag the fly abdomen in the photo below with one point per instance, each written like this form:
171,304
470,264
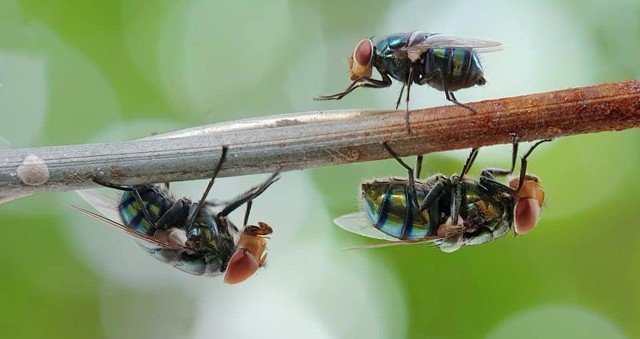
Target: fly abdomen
452,69
390,209
156,201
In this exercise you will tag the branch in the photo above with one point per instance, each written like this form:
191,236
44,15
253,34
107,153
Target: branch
304,140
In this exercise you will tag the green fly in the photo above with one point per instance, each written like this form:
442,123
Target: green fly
446,63
189,235
449,211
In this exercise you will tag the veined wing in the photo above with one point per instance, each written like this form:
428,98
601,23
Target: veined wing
104,201
358,223
139,236
107,202
415,49
450,41
397,242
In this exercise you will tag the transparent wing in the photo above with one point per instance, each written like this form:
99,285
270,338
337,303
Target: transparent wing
358,223
104,201
419,46
140,236
396,242
449,41
107,203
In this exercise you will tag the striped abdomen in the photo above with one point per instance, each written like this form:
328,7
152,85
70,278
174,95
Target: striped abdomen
459,67
389,209
157,202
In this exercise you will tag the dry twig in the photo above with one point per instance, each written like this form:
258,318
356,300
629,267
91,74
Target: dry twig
304,140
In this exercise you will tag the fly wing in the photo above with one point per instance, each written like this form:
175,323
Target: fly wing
449,41
358,223
415,50
396,242
139,236
104,201
107,203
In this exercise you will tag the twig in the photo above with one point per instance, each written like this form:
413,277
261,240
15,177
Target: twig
304,140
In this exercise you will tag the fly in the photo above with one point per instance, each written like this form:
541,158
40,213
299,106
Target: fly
448,211
191,236
446,63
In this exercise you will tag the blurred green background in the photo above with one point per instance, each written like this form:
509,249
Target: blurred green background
76,72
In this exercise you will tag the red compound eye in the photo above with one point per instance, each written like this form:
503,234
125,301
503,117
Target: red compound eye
530,200
527,213
363,52
241,266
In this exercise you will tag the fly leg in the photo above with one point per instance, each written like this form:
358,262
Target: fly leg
456,199
487,175
247,212
409,81
418,166
449,95
400,96
196,211
439,75
456,186
360,82
412,77
498,172
432,203
355,84
523,163
411,190
470,160
248,196
412,183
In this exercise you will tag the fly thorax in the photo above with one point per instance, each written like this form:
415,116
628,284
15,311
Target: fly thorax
203,232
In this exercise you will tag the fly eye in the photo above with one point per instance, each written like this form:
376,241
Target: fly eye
241,266
363,52
527,212
360,62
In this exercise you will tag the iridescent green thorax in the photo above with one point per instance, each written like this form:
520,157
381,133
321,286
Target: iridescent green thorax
206,229
482,209
384,59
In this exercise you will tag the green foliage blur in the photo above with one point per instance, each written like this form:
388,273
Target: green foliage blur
73,70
